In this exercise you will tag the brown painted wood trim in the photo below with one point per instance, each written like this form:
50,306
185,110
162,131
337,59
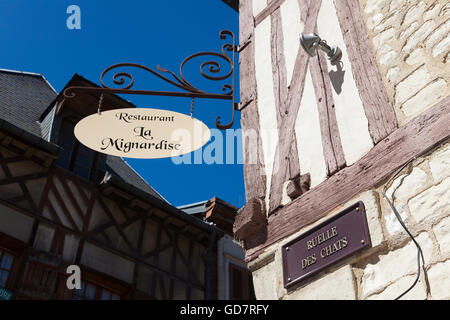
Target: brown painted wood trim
190,253
89,211
124,213
44,196
279,73
421,133
192,273
156,260
19,179
271,7
141,235
331,141
57,245
280,171
53,213
254,173
377,105
75,181
162,287
157,251
116,225
21,182
71,197
65,211
280,87
173,265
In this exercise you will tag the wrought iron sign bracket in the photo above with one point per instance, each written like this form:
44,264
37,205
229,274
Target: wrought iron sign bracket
214,67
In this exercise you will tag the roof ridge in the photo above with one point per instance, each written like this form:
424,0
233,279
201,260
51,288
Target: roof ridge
187,205
33,74
21,72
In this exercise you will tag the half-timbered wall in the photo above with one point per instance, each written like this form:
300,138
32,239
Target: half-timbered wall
121,243
327,136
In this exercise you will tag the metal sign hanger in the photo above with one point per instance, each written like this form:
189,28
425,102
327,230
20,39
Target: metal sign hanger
190,91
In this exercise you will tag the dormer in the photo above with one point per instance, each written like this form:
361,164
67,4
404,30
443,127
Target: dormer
58,122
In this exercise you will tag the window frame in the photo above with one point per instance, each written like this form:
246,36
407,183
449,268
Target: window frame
96,163
246,286
102,281
15,248
98,291
11,268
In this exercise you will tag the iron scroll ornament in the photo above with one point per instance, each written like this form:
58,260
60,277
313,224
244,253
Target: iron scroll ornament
126,80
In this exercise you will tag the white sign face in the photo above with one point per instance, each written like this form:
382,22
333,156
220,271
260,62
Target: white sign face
142,133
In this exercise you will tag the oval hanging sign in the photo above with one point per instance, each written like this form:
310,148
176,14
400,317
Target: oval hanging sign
142,133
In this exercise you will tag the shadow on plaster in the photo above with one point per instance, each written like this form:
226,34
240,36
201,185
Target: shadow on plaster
337,77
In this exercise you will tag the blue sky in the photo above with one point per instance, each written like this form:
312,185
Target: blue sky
35,38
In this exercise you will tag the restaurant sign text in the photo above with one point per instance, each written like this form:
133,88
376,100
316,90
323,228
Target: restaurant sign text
142,133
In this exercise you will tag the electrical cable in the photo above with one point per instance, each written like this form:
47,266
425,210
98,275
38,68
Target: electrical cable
399,218
419,249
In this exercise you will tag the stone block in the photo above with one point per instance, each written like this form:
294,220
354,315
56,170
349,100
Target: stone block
337,285
442,46
418,292
418,36
394,265
433,201
265,280
391,222
411,84
409,30
440,164
439,279
442,232
384,36
431,12
414,13
425,98
374,6
416,57
437,34
392,74
408,185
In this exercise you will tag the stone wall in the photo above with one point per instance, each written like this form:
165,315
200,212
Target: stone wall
411,42
422,196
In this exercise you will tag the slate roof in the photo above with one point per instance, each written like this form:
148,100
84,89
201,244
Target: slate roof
233,4
25,96
197,209
127,174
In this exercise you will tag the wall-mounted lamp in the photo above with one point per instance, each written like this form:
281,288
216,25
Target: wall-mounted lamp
311,42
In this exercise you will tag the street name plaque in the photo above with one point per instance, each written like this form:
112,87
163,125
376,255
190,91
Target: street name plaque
326,244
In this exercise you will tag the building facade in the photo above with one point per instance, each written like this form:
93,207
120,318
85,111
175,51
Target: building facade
234,280
63,204
319,138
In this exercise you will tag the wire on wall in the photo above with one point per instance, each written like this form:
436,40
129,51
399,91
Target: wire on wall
399,218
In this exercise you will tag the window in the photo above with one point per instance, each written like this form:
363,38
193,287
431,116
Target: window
240,283
6,262
90,291
75,156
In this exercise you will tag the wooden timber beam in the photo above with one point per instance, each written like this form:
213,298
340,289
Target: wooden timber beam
420,134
